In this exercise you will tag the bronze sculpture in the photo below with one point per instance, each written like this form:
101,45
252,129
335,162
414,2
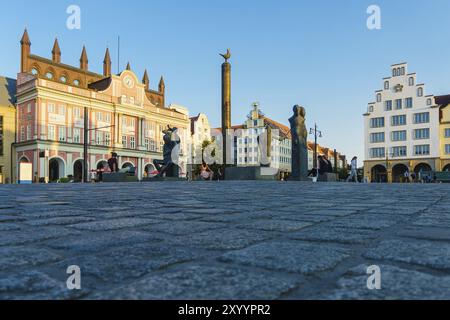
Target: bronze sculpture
169,165
299,144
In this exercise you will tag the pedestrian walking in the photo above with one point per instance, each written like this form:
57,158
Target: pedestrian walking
353,170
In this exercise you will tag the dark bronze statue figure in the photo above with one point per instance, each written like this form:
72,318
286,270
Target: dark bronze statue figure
169,165
113,163
299,144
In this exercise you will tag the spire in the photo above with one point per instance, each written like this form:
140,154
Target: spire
161,85
25,38
25,51
84,62
146,80
128,66
56,52
107,64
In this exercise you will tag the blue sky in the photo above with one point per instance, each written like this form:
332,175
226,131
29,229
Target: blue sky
315,53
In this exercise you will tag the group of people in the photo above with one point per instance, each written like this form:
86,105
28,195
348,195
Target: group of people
207,174
419,177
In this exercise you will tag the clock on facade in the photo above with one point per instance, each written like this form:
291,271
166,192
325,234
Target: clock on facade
128,81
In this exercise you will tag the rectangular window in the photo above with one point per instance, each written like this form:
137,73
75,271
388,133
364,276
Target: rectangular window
1,135
107,138
76,135
377,153
147,144
388,105
76,113
132,142
398,104
124,141
422,134
409,103
22,133
423,117
51,108
398,120
399,135
99,116
447,133
377,122
51,132
62,134
447,149
29,108
422,150
98,138
28,133
399,152
152,145
377,137
62,110
108,117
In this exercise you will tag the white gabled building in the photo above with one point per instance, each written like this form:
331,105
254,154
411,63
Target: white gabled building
401,128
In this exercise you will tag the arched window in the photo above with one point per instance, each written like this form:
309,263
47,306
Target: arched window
399,71
76,82
49,75
386,85
403,71
63,79
394,72
379,97
34,72
411,81
420,92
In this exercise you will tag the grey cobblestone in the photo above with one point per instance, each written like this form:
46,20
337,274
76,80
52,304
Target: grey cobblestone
245,240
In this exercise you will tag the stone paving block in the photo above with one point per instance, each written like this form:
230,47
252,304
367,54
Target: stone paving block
14,257
32,235
9,226
396,284
58,221
288,256
431,254
204,283
275,225
221,239
129,262
365,221
35,285
114,224
325,233
185,228
97,241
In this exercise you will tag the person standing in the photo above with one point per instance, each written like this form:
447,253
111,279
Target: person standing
354,170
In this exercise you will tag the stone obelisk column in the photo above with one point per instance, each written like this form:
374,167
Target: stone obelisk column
226,103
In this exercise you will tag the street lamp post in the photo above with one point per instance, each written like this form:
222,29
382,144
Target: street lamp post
317,134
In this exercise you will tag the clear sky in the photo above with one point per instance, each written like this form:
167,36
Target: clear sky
319,53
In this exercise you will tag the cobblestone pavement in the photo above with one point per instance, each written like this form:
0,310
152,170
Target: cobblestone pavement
227,240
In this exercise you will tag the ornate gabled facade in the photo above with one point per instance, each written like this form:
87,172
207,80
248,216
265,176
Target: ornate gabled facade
124,116
401,129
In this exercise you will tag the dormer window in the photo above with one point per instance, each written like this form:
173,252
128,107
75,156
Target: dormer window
386,85
63,79
420,92
34,72
411,81
76,83
49,75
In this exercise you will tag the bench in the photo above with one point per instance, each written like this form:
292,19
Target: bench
443,176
